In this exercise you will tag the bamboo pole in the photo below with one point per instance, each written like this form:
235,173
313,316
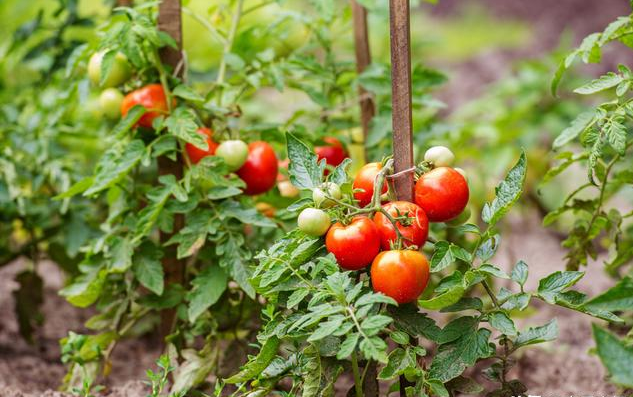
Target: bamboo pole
170,21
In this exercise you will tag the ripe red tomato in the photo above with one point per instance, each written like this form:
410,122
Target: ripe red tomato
151,97
354,245
365,180
400,274
415,230
334,153
442,193
260,169
195,153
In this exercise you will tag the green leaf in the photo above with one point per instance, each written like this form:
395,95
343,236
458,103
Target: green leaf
556,283
296,297
535,335
374,348
520,273
437,388
148,269
208,287
75,189
247,215
185,92
303,169
445,254
602,83
320,374
407,318
507,193
492,270
339,175
348,346
615,356
375,323
258,364
577,126
181,123
616,135
449,297
398,361
501,322
618,297
115,165
129,121
453,358
326,328
85,289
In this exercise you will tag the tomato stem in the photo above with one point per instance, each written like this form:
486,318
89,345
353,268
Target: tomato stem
357,381
228,45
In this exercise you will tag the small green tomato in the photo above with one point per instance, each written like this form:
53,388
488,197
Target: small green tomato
320,194
440,156
234,153
313,222
119,72
110,101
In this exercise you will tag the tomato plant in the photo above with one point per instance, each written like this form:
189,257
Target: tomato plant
344,321
599,139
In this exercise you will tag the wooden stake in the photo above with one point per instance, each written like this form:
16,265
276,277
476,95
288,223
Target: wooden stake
363,60
401,96
169,21
399,21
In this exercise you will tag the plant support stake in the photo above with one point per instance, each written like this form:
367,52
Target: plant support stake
363,60
399,21
169,21
401,97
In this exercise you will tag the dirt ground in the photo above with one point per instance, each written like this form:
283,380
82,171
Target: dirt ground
560,368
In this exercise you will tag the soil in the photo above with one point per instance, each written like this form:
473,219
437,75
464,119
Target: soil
559,368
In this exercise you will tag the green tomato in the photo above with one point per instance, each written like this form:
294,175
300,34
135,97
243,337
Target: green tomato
440,156
110,101
119,72
313,222
234,153
320,194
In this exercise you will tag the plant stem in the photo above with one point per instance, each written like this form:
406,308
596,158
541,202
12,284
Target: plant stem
357,380
237,15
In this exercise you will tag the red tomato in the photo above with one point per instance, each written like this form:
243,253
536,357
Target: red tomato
442,193
415,230
260,170
400,274
151,97
354,245
195,153
365,180
334,153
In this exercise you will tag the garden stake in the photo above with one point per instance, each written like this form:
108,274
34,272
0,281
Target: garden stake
401,108
363,60
169,21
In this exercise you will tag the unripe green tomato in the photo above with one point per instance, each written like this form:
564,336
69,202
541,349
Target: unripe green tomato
234,153
461,218
461,171
319,194
313,222
110,101
118,74
440,156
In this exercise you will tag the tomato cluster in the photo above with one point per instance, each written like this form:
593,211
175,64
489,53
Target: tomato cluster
390,242
255,163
